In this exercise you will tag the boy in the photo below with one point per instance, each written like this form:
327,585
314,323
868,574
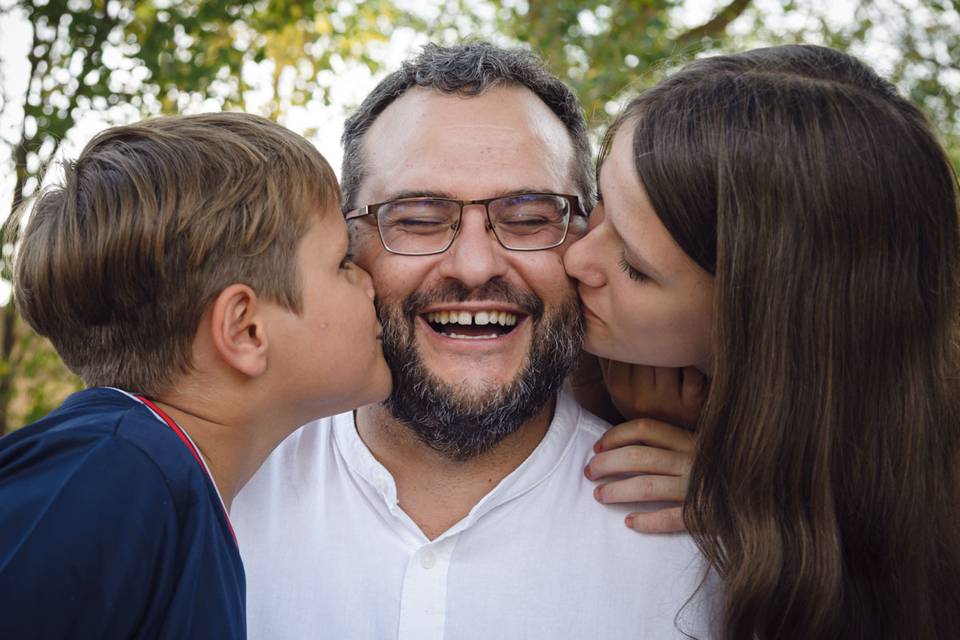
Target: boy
194,272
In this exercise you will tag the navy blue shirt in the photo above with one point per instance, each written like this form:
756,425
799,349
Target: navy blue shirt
110,528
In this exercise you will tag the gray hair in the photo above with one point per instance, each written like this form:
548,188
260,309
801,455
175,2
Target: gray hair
469,69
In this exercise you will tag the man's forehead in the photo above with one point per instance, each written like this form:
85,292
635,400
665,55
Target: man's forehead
426,138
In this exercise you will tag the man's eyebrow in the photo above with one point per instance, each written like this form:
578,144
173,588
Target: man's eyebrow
427,193
417,193
521,191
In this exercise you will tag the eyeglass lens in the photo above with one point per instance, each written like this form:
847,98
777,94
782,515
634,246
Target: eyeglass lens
427,225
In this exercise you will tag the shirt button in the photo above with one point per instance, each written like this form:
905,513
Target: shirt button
428,559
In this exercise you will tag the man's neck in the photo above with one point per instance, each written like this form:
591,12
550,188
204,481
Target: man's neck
435,490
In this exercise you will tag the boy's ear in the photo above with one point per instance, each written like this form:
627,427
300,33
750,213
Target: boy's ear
238,329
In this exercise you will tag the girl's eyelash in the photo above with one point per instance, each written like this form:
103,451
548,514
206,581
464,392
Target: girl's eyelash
631,272
347,259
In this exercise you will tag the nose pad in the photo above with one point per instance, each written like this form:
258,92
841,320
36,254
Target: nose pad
475,257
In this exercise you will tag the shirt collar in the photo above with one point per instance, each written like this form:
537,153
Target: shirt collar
534,470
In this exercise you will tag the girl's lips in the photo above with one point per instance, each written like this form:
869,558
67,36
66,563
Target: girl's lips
587,311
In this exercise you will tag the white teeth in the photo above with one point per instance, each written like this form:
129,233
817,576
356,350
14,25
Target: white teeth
460,337
503,318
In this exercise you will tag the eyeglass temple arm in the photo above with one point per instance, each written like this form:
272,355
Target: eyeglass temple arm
353,214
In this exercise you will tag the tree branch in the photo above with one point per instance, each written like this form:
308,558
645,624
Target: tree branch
717,24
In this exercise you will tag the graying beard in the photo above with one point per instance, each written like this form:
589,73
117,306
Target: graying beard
459,427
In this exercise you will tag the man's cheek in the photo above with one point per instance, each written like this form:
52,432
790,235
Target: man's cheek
365,247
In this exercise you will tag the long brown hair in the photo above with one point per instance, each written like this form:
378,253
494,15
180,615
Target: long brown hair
825,486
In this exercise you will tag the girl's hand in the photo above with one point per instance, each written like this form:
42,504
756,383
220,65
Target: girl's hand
665,393
648,458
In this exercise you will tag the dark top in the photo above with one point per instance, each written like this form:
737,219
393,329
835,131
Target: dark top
110,528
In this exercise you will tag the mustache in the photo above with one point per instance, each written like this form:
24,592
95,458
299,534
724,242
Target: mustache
497,290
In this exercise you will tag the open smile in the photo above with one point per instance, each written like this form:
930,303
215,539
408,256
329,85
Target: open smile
473,324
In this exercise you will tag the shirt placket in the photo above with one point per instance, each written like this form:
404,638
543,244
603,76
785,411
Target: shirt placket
423,599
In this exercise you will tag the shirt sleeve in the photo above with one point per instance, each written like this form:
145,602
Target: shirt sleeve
87,541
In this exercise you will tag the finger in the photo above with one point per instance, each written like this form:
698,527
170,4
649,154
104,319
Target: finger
632,388
648,488
637,459
669,520
626,375
587,372
693,387
667,382
646,431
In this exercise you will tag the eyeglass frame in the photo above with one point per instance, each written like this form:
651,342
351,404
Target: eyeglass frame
574,208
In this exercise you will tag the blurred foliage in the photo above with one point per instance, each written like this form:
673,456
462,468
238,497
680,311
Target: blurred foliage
603,47
157,57
42,380
141,58
610,49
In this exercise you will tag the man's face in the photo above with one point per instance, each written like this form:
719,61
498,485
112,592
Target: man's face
462,387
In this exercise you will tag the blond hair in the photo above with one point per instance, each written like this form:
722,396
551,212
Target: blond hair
117,265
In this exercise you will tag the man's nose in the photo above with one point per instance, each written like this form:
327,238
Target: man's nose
475,257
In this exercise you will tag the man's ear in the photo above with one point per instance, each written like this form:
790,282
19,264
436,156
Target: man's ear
238,330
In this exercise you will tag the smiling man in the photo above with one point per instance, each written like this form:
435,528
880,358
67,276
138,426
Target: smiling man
458,508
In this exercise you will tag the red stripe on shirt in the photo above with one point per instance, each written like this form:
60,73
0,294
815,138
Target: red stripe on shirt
193,450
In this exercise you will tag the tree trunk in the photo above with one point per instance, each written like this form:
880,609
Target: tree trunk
9,330
8,325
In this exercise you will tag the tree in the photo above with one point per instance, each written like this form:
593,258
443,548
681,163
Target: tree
116,56
610,49
602,47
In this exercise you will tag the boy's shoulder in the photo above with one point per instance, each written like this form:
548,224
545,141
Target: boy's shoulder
100,424
103,493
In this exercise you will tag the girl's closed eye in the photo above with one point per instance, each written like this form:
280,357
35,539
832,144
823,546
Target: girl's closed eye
347,261
633,273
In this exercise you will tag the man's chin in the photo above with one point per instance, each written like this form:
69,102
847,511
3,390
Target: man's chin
472,379
472,396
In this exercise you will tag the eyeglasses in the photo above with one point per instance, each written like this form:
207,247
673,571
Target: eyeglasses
427,226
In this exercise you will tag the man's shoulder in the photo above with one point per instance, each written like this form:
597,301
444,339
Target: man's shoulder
587,423
584,427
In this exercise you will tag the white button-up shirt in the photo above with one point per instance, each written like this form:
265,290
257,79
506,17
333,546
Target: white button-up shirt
329,553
